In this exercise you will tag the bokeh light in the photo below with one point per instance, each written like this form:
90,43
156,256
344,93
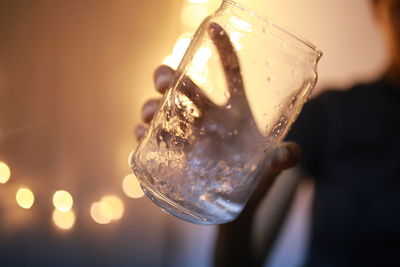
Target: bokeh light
198,1
5,173
62,200
116,204
131,187
25,198
182,43
193,15
101,212
172,61
64,219
180,47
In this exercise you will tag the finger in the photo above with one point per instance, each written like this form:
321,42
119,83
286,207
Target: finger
285,156
163,77
140,131
149,109
231,66
195,94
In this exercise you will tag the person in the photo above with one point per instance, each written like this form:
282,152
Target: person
349,146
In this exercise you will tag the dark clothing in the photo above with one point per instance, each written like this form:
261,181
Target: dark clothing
350,144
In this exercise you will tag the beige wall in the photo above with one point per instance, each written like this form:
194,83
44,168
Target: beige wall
344,30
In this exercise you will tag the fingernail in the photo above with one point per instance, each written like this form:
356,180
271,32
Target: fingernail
140,131
283,155
162,81
148,110
280,158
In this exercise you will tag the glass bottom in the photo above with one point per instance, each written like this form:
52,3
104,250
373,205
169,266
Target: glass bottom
177,210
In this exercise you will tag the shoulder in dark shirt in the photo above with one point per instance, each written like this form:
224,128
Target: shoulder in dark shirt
350,146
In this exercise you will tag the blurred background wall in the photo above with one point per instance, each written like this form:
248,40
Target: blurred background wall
73,77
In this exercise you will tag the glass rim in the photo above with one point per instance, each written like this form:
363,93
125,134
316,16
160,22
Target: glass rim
276,25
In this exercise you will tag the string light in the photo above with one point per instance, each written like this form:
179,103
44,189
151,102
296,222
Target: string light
62,200
182,43
5,173
199,70
25,198
116,205
193,15
198,1
101,212
172,61
131,187
64,220
180,47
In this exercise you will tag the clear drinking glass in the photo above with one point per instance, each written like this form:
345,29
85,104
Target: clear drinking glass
239,87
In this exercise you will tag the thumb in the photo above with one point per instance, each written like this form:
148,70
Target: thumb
285,156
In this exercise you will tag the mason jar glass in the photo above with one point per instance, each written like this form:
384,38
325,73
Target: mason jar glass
238,89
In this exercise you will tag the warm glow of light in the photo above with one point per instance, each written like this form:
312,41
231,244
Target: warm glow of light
64,219
101,212
178,51
199,70
116,204
193,15
25,198
62,200
131,187
182,43
172,61
240,24
198,1
236,38
202,56
5,173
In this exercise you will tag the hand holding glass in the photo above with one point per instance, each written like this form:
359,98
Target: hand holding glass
239,87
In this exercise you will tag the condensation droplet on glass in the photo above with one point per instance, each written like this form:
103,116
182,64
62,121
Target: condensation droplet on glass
202,131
